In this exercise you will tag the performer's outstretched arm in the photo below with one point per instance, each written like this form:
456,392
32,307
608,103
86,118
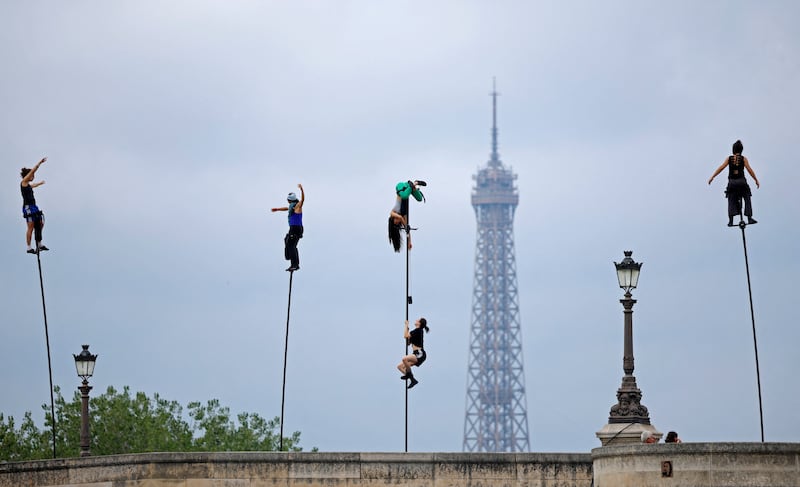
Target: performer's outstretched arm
719,170
298,208
29,177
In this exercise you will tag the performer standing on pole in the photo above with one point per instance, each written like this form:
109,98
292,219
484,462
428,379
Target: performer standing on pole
295,233
398,217
32,214
738,188
415,337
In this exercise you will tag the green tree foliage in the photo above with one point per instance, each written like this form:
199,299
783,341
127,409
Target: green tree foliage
220,433
122,422
25,443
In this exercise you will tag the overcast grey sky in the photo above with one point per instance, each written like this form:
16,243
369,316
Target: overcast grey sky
171,127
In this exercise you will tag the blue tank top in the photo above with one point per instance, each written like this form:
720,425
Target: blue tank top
295,219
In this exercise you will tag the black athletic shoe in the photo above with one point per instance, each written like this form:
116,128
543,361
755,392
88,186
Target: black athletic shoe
751,221
420,182
292,269
42,247
404,377
730,224
31,251
413,383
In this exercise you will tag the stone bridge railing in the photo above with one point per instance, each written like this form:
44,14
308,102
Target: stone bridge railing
255,469
660,465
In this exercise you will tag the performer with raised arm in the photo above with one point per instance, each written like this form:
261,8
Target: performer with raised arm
415,337
32,214
737,188
295,233
398,216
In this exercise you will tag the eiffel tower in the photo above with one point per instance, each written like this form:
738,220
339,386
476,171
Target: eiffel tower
496,415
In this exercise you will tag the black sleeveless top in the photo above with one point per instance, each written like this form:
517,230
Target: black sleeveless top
735,167
27,195
416,337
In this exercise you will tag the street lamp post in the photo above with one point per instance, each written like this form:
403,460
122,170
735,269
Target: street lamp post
628,408
84,365
629,417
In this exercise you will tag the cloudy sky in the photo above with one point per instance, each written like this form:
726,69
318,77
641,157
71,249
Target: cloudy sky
171,127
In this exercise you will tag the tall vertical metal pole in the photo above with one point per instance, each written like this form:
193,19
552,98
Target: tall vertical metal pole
47,341
742,225
408,299
285,355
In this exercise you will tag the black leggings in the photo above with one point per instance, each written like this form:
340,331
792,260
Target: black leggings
291,240
738,190
38,222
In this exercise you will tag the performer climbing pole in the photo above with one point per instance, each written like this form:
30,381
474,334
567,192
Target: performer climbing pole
35,222
416,339
738,191
399,221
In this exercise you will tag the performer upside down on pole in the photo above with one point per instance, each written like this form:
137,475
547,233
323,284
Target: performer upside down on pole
398,216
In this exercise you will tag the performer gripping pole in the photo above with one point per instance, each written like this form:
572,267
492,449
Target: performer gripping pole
415,338
398,216
285,355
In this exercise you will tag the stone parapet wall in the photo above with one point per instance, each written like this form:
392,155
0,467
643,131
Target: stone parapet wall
256,469
698,465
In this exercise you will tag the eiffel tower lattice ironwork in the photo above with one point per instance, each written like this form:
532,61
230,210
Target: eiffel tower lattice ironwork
496,417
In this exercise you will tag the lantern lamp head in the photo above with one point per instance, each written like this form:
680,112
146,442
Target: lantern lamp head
84,363
628,272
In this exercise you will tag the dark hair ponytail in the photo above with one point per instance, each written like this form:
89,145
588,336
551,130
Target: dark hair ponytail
395,238
738,147
424,323
24,171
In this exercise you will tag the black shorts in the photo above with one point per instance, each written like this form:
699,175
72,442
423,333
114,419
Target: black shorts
421,356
